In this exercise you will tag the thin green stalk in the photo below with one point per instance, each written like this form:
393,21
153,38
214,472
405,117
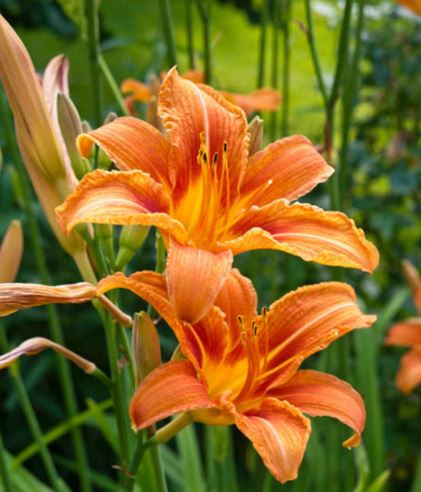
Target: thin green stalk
56,332
314,53
112,84
204,7
158,469
189,32
262,43
32,420
117,391
286,45
275,61
416,484
167,25
350,91
91,13
5,475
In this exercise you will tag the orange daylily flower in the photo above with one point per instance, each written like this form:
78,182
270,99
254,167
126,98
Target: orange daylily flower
408,334
414,5
264,99
243,368
209,198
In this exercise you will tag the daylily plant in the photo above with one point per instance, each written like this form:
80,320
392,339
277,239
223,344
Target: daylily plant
210,199
263,99
242,368
408,334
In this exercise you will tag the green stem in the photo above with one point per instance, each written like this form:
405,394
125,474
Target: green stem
275,61
91,13
314,53
350,91
158,469
262,44
112,84
117,390
416,483
32,420
167,25
341,65
6,478
205,14
286,68
56,332
189,32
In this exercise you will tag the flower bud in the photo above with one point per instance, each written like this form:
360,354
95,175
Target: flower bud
11,250
146,347
71,127
34,346
255,130
131,240
411,274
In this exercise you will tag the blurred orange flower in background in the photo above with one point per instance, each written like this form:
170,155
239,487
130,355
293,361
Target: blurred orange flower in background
408,334
414,5
264,99
210,198
243,368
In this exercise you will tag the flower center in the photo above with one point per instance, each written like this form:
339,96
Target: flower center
206,205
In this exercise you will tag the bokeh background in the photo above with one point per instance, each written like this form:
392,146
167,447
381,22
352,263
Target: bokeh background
383,196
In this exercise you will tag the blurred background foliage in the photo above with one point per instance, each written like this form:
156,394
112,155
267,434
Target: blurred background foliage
383,196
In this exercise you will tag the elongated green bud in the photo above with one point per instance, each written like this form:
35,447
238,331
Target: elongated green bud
146,347
255,130
71,127
131,240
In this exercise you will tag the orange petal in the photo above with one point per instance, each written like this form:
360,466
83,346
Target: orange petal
170,389
118,197
409,374
264,99
14,297
322,395
188,111
407,333
279,433
152,287
308,319
132,144
237,297
138,90
34,346
287,168
194,279
196,76
329,238
11,250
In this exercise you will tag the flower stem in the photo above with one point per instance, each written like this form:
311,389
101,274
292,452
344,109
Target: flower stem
350,91
264,16
112,84
167,25
189,32
117,389
5,475
32,420
204,11
276,12
286,45
314,54
91,13
56,332
165,433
